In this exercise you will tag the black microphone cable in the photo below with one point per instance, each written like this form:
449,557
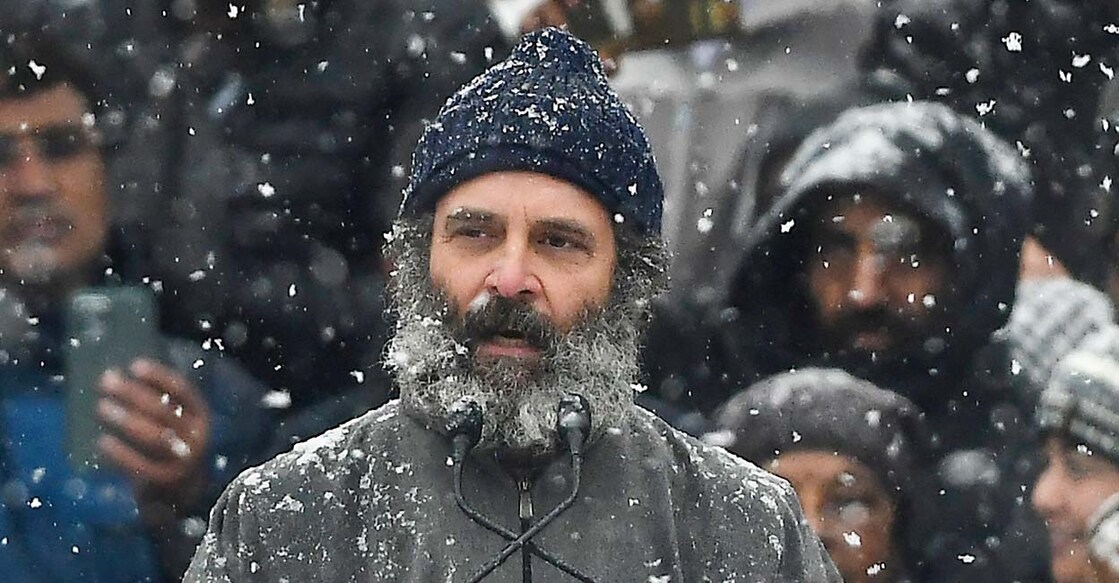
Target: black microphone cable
573,423
464,425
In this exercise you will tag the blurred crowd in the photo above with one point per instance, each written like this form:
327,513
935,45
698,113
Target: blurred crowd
893,226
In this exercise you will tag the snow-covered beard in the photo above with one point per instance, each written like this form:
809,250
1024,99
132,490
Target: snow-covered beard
432,356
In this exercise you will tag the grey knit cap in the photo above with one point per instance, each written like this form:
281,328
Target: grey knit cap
1053,317
1082,401
828,410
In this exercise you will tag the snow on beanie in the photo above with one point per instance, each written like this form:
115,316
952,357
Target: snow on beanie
1082,401
548,109
828,410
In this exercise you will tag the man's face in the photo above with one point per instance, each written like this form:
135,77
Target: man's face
851,512
52,201
876,275
526,237
1067,494
512,301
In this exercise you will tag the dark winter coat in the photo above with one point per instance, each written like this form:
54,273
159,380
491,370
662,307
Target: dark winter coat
977,407
372,501
263,167
58,526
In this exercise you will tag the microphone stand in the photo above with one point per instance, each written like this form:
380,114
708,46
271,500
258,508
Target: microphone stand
573,424
465,427
507,534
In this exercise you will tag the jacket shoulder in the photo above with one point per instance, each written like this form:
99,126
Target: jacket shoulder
711,464
335,478
340,449
749,520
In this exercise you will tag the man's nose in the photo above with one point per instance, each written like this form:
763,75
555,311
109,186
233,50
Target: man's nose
1047,492
513,276
867,282
29,174
813,507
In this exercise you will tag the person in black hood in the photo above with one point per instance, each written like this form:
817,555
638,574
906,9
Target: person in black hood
526,251
892,254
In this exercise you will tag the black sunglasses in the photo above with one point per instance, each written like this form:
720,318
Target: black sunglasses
55,143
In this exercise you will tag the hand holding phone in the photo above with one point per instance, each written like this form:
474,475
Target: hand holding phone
158,430
107,328
125,408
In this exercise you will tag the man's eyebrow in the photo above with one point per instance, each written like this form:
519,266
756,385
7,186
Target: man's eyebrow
569,226
466,215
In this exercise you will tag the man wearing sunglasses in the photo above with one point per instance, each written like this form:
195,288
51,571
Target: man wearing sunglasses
167,442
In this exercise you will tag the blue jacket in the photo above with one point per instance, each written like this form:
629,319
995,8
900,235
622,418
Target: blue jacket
56,525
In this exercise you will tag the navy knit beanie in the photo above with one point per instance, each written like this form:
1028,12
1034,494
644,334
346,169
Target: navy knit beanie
548,109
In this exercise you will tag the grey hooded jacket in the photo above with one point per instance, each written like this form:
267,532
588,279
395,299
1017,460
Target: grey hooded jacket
373,501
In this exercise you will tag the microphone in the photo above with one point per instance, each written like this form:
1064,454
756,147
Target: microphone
573,422
464,425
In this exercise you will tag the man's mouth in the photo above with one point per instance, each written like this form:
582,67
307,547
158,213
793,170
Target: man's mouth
42,229
872,339
508,344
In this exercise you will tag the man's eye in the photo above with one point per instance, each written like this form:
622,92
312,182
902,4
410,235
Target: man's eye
563,242
557,242
62,143
471,232
1079,469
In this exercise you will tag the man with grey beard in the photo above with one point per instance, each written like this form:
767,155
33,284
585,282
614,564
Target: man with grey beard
526,253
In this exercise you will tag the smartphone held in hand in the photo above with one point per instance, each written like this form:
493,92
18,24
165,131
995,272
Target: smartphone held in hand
106,328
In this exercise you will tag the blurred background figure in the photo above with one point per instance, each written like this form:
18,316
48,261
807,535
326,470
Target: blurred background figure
172,428
855,455
886,254
1076,494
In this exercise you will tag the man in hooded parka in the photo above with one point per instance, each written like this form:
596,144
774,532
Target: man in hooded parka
892,254
526,252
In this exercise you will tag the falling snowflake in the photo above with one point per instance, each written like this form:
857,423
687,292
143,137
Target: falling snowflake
37,69
276,400
1013,42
